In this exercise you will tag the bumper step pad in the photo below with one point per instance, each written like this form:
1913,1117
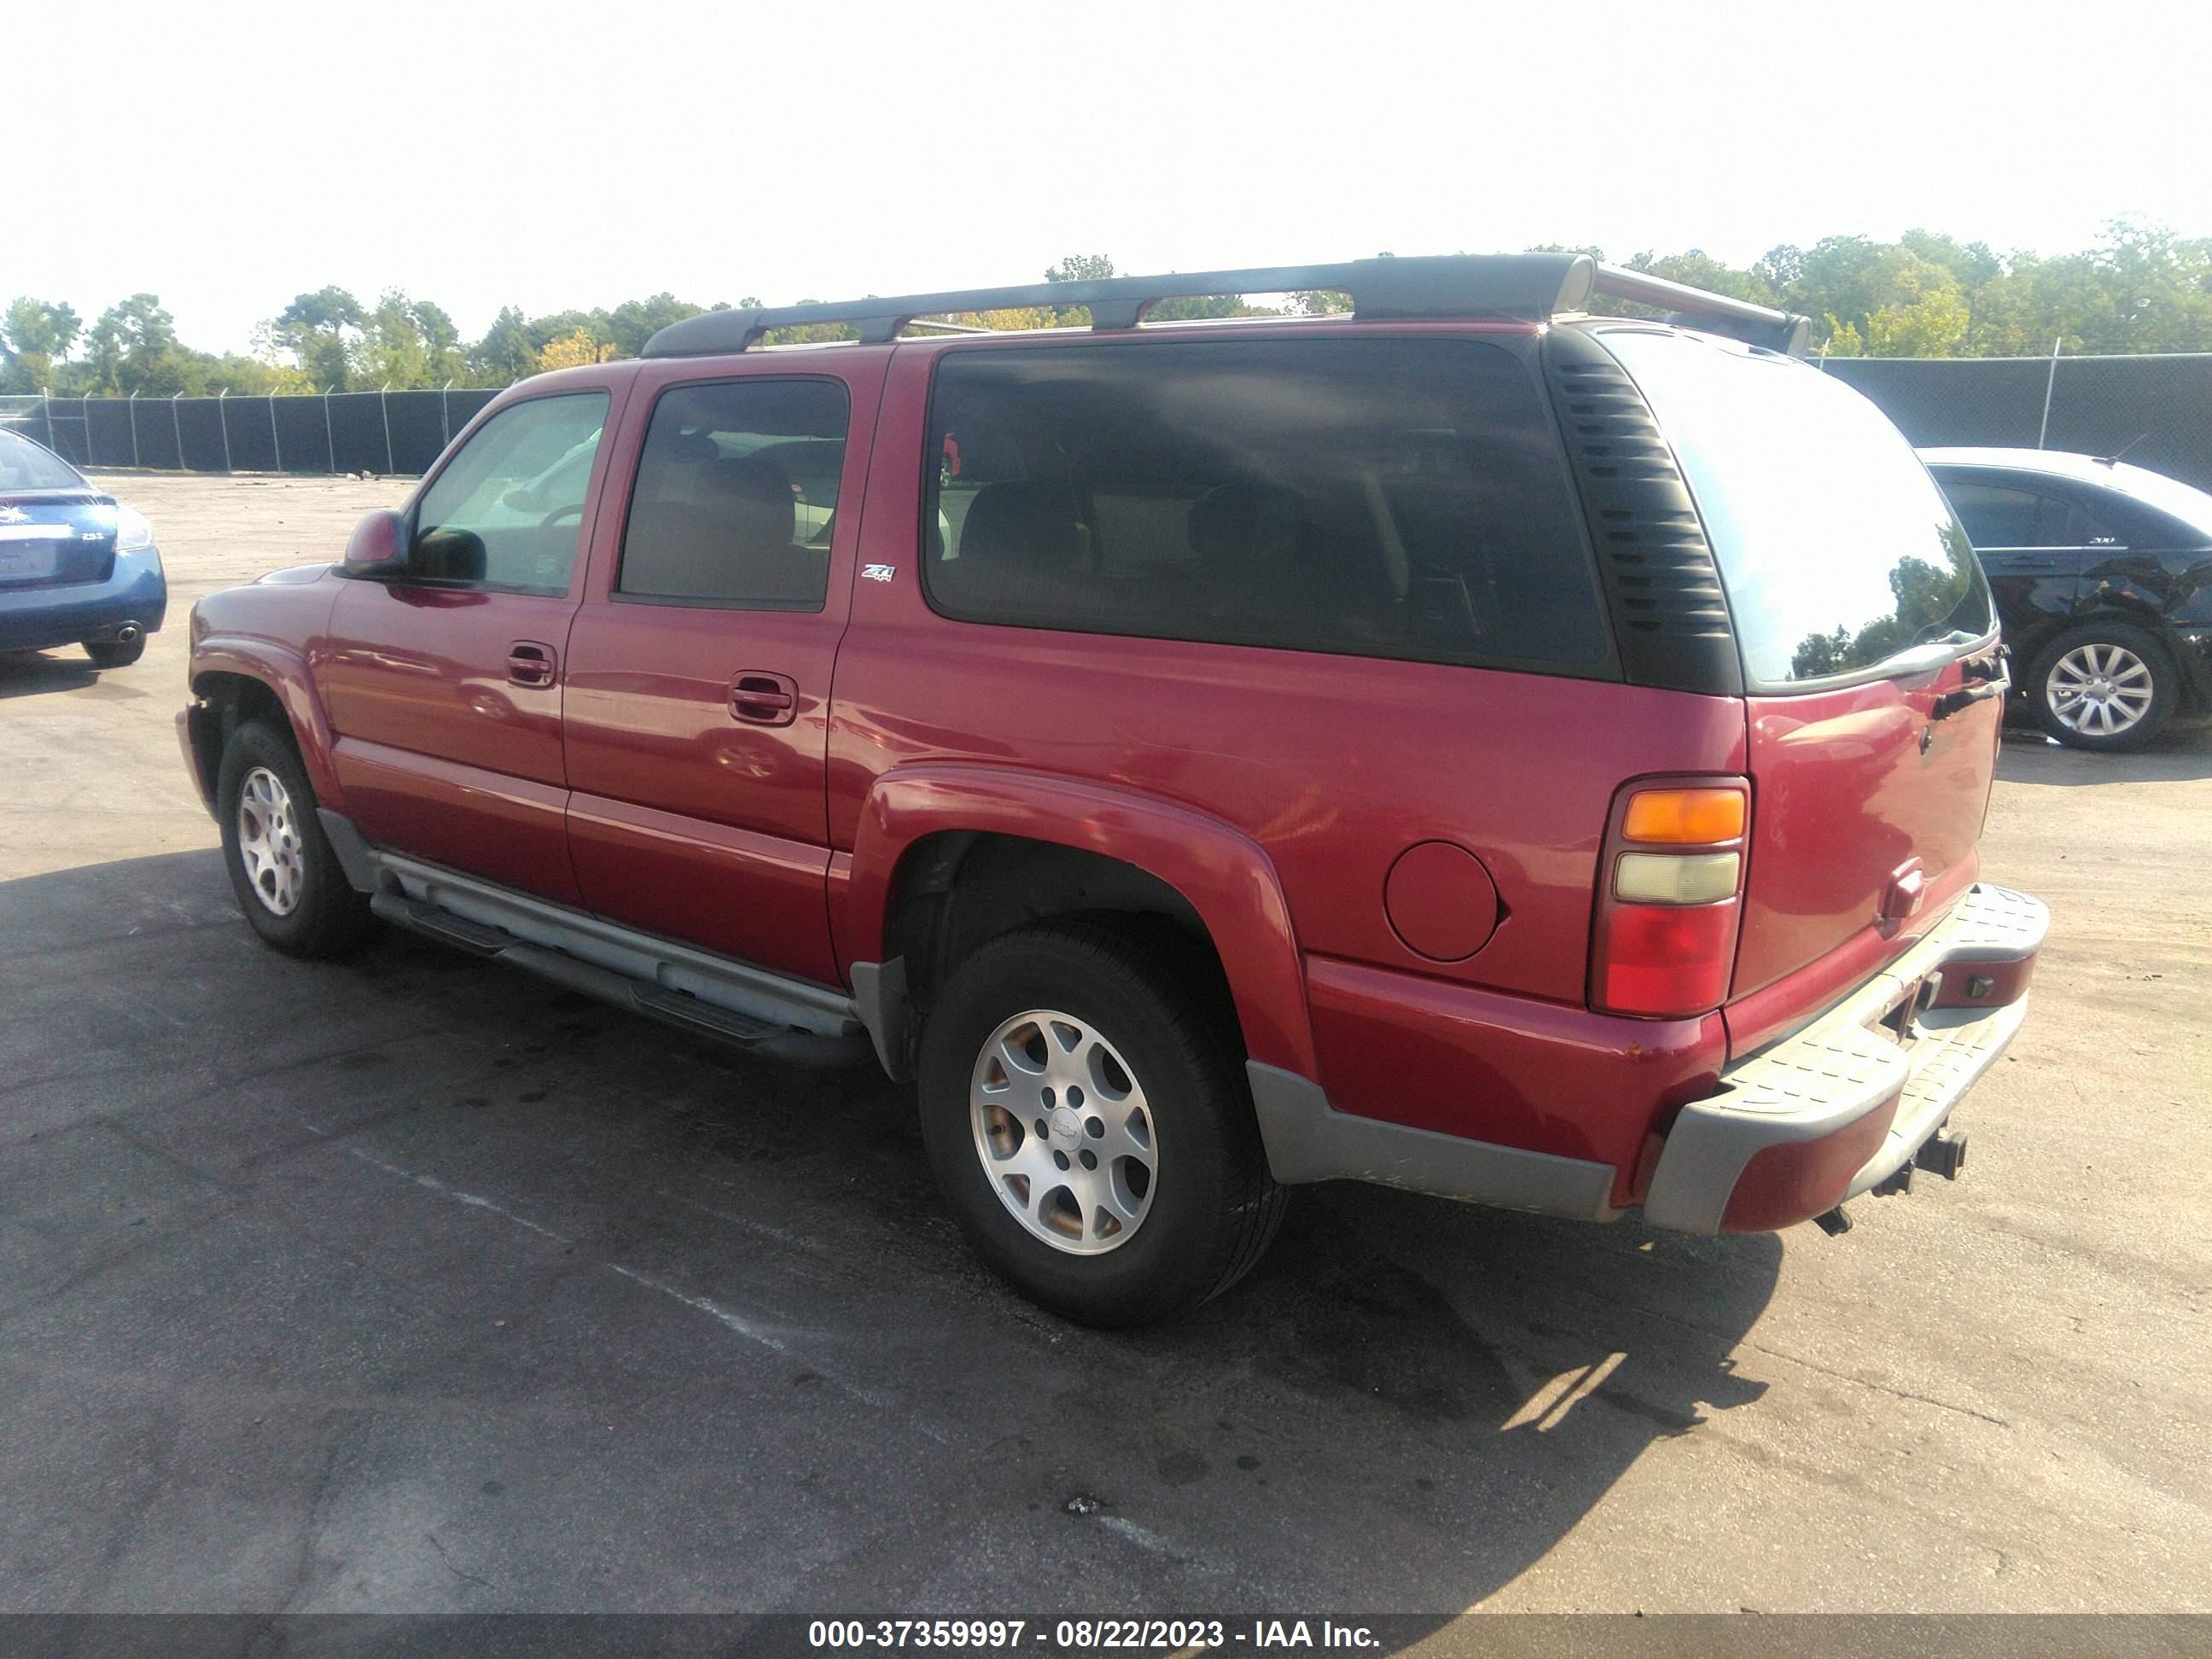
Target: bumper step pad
1829,1078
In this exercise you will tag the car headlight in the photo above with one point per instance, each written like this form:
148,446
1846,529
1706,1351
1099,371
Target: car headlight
133,533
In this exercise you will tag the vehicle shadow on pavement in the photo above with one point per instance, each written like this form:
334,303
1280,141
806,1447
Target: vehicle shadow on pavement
412,1283
2178,757
25,673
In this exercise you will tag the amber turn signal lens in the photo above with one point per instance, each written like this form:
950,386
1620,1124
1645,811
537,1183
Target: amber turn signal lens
1683,817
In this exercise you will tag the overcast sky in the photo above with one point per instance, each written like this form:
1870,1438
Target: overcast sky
228,154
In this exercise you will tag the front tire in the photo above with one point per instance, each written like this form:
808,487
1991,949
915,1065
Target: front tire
282,868
2103,686
1086,1115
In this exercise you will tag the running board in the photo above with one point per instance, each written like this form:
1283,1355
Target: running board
441,925
733,1003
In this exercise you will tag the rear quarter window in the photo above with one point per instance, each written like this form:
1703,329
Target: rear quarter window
1836,548
1392,497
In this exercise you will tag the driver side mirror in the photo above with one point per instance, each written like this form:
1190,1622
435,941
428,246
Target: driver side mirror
378,546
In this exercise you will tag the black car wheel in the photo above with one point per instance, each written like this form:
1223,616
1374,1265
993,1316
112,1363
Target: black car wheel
2104,685
281,865
1086,1115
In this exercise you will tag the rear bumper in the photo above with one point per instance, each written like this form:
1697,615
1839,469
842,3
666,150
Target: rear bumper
37,618
1841,1106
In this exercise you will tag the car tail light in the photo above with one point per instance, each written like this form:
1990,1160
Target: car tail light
1670,896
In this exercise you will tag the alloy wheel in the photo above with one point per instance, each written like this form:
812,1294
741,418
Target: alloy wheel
2099,690
268,841
1064,1132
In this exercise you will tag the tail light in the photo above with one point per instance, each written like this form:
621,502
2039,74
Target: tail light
1670,896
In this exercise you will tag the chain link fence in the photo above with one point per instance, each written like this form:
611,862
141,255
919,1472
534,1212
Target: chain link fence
380,432
2161,405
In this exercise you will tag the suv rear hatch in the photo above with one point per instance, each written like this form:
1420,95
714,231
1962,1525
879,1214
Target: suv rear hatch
1867,639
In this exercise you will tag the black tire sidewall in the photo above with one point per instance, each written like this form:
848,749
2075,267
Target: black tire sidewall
325,918
2164,676
1192,1090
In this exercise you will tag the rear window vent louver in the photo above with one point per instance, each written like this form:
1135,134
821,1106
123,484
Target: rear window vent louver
1669,614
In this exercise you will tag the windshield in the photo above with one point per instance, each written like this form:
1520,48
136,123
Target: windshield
27,466
1836,547
2168,495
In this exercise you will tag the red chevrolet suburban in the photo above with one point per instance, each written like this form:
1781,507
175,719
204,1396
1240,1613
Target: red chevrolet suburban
1465,743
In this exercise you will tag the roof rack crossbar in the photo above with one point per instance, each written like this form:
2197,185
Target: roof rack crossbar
1721,314
1531,286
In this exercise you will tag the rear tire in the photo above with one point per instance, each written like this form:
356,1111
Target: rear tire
1133,1063
282,868
2102,686
112,653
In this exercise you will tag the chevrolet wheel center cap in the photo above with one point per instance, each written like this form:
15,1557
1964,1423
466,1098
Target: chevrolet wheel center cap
1066,1124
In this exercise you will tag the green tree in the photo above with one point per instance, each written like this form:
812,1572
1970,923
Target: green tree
1081,268
406,344
505,354
1019,318
1926,316
132,347
1075,268
441,343
33,333
561,324
810,333
634,322
319,330
1197,306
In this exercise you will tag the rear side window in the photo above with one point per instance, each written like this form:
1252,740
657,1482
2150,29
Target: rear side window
2002,515
1837,548
1394,497
736,496
1998,517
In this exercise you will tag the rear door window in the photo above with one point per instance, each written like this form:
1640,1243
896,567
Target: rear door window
1393,497
1837,548
736,496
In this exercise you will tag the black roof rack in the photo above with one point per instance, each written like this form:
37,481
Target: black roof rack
1534,286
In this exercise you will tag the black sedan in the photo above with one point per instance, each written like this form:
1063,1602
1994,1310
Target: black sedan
76,568
2103,577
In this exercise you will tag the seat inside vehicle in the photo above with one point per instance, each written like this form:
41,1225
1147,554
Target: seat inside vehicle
712,528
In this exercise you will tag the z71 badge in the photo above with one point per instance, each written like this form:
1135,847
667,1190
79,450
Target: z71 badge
878,572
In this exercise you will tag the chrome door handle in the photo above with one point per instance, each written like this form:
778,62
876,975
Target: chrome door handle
761,699
529,663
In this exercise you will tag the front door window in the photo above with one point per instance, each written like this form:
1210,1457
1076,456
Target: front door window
509,512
